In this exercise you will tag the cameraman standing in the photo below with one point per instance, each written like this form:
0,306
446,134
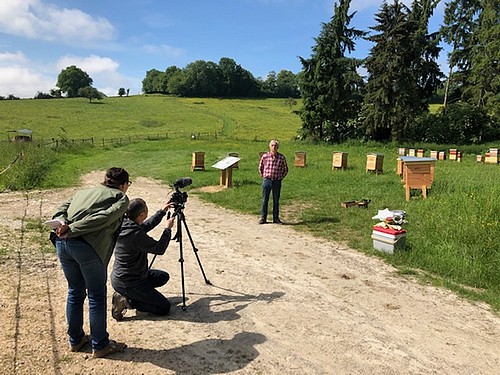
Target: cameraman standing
134,283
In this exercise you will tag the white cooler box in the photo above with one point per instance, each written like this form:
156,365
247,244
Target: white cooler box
388,240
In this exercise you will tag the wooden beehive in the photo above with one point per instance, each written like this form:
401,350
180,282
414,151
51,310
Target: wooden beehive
418,173
453,154
235,154
441,155
339,160
479,158
401,151
420,152
434,154
375,162
411,152
198,161
491,156
300,159
399,167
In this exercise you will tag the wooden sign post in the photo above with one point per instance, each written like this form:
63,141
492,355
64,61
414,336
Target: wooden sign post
226,170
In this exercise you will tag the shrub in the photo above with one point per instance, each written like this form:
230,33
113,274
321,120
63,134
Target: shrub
31,169
458,123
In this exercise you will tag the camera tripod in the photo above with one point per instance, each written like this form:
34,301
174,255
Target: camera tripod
181,221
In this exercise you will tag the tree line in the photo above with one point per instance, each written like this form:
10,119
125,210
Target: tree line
223,79
392,103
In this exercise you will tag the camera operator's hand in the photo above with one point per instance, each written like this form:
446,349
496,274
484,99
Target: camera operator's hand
168,206
170,222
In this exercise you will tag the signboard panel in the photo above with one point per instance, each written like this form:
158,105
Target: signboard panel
226,162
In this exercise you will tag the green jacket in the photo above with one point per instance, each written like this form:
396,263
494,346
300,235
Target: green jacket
96,215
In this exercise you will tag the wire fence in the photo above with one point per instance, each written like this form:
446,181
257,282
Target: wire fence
106,142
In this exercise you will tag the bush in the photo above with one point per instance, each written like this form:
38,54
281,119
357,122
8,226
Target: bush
458,123
30,170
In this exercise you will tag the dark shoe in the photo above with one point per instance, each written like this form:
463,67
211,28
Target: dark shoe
119,306
85,340
262,221
278,222
113,347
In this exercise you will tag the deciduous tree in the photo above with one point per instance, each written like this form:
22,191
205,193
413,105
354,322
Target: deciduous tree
71,79
90,93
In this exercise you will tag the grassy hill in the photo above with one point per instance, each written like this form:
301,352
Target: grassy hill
152,114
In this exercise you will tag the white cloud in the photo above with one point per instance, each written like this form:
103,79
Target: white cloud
19,77
13,58
23,82
91,64
102,70
38,20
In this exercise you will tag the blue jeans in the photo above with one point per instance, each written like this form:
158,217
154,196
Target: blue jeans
145,297
269,185
85,272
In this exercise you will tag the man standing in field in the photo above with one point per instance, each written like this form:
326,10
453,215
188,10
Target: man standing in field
273,169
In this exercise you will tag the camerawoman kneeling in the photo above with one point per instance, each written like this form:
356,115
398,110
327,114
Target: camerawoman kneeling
136,284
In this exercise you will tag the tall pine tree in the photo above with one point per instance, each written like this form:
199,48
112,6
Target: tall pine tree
459,31
330,84
426,50
483,84
402,69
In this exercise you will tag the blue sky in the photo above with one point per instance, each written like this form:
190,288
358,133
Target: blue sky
117,41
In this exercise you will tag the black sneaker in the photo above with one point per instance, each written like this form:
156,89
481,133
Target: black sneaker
119,306
262,221
278,222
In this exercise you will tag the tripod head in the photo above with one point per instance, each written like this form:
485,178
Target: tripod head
179,198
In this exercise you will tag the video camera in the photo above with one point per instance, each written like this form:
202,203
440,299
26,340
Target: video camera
178,198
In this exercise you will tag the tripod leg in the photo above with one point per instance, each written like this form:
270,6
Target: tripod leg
181,260
195,250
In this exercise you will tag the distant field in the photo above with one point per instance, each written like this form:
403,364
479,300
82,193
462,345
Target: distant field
154,114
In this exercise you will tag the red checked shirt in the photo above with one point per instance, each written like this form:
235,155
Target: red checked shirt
273,167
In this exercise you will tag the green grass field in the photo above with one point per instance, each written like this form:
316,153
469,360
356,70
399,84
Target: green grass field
154,114
452,235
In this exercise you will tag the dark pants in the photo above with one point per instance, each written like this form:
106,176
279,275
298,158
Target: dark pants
269,185
145,297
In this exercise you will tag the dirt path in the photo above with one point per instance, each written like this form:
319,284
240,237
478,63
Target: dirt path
280,303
